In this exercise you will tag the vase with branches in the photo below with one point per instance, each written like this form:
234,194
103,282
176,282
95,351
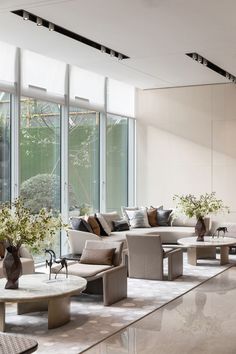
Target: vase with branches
200,207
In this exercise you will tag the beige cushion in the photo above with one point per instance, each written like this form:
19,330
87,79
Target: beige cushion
83,270
103,223
138,218
110,217
97,256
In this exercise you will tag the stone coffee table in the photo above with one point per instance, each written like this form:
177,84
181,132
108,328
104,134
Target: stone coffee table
37,293
207,248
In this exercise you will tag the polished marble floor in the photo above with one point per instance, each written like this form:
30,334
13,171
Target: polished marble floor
201,321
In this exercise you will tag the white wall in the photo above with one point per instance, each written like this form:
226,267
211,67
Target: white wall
186,143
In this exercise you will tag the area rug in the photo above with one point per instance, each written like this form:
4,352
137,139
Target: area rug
91,322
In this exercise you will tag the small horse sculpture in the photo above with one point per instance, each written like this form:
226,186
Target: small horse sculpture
221,229
52,260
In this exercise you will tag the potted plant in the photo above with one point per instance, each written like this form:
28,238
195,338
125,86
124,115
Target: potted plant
200,207
17,227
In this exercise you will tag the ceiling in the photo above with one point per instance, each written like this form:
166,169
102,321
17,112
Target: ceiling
155,34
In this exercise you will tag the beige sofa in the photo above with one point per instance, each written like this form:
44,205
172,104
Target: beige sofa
26,260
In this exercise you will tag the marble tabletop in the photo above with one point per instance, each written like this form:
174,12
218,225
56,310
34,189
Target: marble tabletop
34,287
208,241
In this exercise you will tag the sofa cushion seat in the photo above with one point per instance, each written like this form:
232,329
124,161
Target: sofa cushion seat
83,270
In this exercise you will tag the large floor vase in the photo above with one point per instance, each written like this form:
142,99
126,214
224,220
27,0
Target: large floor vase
200,229
12,267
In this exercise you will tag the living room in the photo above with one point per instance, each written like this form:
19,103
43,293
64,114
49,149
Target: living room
108,104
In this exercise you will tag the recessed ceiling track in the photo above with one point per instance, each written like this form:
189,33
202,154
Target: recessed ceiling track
41,22
201,60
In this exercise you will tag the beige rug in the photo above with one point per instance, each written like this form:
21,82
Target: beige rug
91,322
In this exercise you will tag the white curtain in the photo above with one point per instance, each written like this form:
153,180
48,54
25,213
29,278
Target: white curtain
120,98
87,89
7,66
42,77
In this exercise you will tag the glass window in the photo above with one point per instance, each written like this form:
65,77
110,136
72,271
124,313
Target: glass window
40,155
83,161
117,162
5,153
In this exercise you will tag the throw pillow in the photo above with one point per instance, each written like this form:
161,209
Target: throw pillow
110,217
103,224
128,210
91,220
80,225
163,217
97,256
139,219
152,216
120,225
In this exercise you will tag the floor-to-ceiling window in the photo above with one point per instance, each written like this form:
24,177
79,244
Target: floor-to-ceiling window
5,152
83,161
40,162
116,162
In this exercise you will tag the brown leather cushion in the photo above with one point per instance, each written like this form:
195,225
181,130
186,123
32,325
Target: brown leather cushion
152,216
2,249
91,220
97,256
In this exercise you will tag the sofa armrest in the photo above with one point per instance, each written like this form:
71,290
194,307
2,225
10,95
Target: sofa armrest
77,239
114,285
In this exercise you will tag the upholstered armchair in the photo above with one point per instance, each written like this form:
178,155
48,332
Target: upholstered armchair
107,280
146,256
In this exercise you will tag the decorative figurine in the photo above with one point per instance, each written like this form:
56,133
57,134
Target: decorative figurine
52,260
221,229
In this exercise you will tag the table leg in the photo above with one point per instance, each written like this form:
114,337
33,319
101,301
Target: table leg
27,307
192,255
58,312
224,255
2,316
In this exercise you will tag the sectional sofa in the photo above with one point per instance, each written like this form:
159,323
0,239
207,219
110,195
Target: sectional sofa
169,234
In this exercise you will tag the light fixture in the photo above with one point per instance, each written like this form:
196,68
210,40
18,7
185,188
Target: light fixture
199,59
39,21
25,15
208,64
69,34
51,26
103,49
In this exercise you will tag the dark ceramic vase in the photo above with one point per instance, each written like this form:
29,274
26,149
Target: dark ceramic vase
200,229
12,267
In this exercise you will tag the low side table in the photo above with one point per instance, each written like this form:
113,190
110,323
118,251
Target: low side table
197,249
37,293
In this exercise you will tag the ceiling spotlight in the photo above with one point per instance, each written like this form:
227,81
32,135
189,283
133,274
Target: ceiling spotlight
120,56
39,21
199,59
231,77
227,75
194,56
205,62
51,26
103,49
112,53
25,15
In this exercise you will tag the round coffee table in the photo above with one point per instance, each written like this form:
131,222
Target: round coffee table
37,293
207,248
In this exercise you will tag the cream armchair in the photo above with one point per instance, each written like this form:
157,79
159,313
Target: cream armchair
146,256
109,281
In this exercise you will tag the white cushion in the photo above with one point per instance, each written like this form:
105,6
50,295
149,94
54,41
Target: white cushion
110,217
